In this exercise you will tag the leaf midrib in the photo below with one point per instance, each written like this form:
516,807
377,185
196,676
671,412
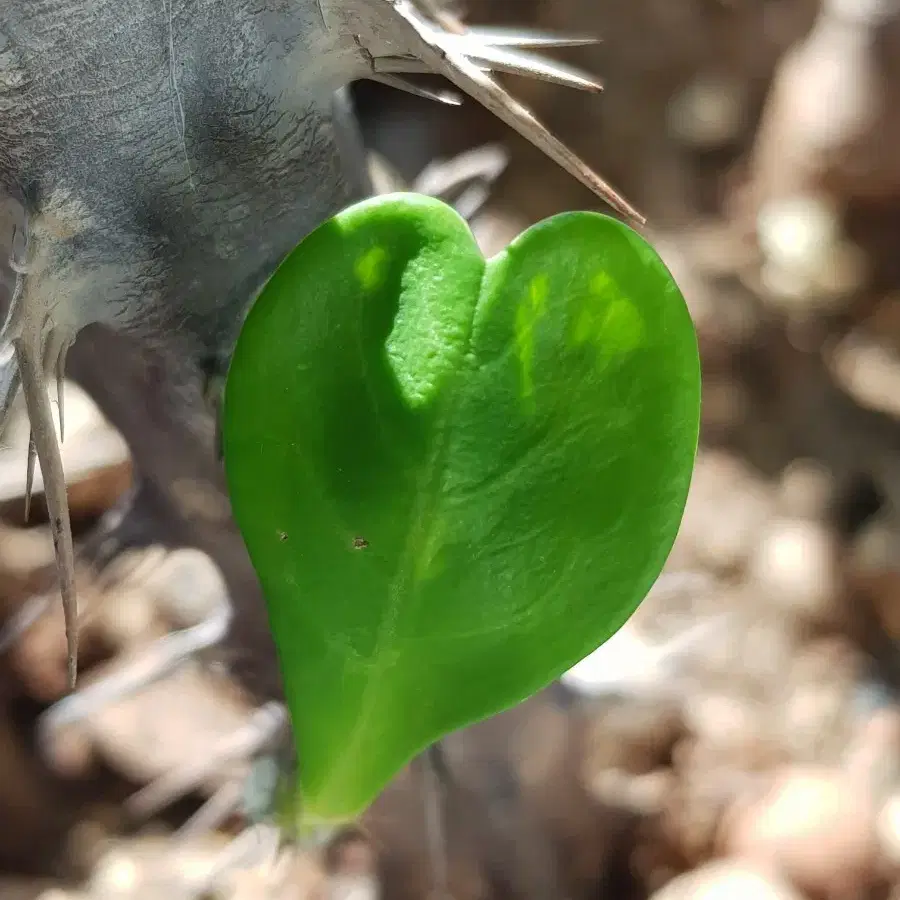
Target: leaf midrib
426,500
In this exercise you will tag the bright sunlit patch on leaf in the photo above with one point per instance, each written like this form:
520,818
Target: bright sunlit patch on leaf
370,267
608,319
528,314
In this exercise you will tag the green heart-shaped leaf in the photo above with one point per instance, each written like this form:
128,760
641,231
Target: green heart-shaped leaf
455,478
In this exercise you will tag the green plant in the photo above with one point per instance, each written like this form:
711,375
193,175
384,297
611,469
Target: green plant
455,478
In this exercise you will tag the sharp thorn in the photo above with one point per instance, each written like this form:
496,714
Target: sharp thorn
527,65
483,88
40,415
29,475
60,386
526,39
440,52
483,164
441,16
489,58
472,201
10,382
450,98
385,180
164,656
13,320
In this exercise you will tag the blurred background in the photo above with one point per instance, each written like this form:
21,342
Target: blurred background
741,737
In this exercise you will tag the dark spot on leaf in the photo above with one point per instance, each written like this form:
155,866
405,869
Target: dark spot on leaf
360,543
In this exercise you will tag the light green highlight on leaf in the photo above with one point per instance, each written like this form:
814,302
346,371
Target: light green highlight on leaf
528,314
370,268
608,319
